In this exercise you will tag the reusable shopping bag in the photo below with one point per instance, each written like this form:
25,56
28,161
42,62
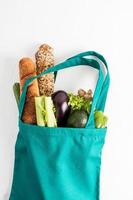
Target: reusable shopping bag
61,163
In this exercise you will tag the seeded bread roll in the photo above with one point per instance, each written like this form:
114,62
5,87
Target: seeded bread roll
27,69
45,59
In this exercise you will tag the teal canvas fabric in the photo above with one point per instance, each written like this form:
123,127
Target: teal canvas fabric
61,163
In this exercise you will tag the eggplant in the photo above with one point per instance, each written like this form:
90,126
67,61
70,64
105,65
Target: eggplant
60,100
60,97
62,114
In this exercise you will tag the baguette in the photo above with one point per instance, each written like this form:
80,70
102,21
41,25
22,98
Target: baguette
45,59
27,70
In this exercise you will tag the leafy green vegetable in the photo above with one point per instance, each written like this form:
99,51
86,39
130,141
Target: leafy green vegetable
16,90
79,103
100,119
45,111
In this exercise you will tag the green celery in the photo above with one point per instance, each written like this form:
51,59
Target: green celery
45,112
49,115
40,110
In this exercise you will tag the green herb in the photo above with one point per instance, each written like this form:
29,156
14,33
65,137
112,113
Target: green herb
79,103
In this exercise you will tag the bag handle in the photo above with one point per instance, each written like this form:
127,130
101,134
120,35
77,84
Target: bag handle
103,95
73,62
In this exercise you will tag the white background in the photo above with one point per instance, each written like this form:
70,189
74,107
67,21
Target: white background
72,26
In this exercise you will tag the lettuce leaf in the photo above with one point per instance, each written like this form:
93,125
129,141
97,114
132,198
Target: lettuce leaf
79,103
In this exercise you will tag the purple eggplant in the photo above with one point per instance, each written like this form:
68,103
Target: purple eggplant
60,100
60,97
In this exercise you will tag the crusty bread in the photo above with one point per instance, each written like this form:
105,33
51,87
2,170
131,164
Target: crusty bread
27,69
45,59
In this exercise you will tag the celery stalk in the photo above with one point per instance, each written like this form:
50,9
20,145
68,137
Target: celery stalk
49,116
44,111
40,110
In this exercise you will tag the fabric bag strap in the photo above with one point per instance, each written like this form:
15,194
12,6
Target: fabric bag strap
72,62
103,95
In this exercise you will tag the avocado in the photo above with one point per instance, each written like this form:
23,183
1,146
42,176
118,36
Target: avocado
77,119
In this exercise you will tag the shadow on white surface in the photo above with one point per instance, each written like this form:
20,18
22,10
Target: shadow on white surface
6,196
8,125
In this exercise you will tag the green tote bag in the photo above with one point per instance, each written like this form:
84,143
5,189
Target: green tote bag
61,163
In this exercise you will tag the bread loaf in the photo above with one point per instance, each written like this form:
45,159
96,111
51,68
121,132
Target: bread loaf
27,70
45,59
